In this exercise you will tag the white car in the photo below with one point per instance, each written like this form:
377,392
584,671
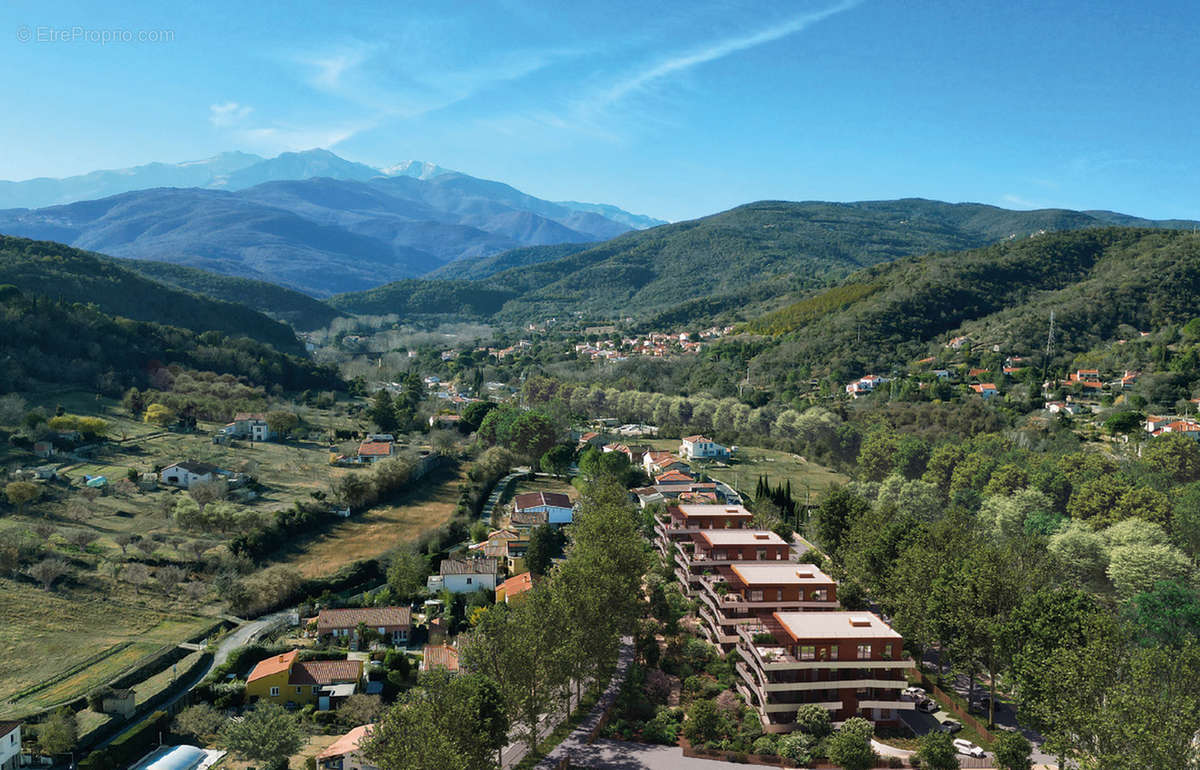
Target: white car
916,693
963,746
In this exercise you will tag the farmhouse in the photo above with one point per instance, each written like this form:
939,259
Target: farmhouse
251,426
393,623
187,473
371,451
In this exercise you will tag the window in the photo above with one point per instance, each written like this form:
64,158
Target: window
756,596
833,652
864,652
779,594
761,554
468,581
819,595
808,652
274,692
299,689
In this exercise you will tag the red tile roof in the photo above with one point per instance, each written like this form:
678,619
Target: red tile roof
671,477
442,655
323,672
515,585
534,499
375,449
273,665
372,617
347,744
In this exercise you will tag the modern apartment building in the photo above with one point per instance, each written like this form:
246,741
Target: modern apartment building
748,592
711,549
851,663
681,522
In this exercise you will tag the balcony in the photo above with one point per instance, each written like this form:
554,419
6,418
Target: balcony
776,657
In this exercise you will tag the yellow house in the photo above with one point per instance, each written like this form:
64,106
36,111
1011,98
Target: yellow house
283,679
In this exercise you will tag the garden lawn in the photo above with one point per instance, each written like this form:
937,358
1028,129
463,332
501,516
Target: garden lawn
748,463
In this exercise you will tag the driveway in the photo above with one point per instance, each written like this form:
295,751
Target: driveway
620,755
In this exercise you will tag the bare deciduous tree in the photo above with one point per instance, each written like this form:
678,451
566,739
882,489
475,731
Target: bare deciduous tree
169,577
195,590
136,574
205,492
82,538
47,571
146,546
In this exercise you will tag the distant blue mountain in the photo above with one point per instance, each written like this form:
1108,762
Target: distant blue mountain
309,220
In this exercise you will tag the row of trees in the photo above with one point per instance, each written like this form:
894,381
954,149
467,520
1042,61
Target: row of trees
522,656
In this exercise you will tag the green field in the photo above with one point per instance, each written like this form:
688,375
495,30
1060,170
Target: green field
72,644
808,478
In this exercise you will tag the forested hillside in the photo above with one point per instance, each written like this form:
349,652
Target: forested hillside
751,248
298,309
478,268
60,272
1100,283
50,342
427,298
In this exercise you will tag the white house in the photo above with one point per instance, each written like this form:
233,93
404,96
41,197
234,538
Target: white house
10,745
252,426
462,576
186,473
701,448
555,505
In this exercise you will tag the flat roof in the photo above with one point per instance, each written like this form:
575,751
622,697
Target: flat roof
835,625
690,511
741,537
780,573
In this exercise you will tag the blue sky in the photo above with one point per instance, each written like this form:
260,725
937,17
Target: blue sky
676,110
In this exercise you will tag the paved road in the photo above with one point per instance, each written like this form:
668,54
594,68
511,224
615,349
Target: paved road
621,755
1005,716
575,745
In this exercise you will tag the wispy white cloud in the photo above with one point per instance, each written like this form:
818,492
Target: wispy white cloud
1013,199
286,138
662,70
228,114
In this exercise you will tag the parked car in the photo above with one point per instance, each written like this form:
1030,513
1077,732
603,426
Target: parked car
963,746
928,705
916,693
950,726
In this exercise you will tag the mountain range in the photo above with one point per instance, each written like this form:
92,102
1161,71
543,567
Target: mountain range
312,220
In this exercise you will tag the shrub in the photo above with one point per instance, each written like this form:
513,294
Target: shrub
814,720
704,722
765,745
797,747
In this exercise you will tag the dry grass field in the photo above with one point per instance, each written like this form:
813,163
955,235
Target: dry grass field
382,529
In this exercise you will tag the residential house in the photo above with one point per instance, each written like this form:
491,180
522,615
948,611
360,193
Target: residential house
957,343
371,451
975,374
283,679
44,449
10,745
462,576
591,439
942,374
252,426
850,663
701,448
514,587
343,754
557,506
393,623
986,390
673,479
440,656
444,421
525,521
647,496
187,473
1085,378
1189,428
661,462
865,385
710,549
751,591
1063,407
